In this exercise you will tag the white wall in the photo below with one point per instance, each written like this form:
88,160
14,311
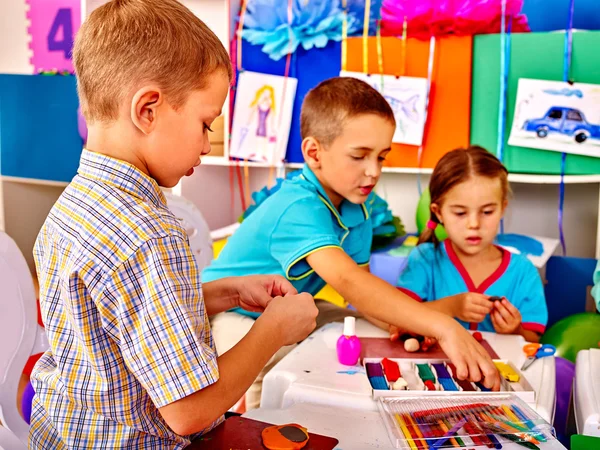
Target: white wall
14,40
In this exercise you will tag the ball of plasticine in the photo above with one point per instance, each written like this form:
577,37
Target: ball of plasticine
400,385
411,345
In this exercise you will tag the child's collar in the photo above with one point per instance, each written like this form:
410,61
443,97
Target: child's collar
122,175
350,214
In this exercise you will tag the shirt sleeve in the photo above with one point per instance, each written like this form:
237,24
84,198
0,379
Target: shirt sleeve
159,320
303,228
531,302
415,280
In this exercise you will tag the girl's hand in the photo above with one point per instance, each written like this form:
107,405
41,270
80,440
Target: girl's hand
505,317
472,307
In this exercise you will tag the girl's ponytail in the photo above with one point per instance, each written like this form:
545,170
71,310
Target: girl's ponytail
428,235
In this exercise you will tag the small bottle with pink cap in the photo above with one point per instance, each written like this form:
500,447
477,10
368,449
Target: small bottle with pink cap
348,345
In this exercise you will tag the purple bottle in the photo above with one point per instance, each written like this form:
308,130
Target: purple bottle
348,345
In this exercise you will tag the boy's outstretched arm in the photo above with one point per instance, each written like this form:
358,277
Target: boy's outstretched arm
382,301
285,321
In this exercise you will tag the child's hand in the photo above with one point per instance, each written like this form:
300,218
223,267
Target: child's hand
505,317
293,315
472,307
471,360
396,332
255,292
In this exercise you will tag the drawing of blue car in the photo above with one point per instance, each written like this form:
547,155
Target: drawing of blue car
566,121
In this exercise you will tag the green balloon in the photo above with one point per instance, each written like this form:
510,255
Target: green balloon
574,333
424,213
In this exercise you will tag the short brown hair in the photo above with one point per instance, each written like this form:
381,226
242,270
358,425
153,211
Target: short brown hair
456,167
331,102
125,42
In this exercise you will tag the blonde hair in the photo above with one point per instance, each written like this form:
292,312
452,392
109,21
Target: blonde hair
127,42
327,106
260,92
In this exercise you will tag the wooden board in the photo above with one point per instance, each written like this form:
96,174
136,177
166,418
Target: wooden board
240,433
384,348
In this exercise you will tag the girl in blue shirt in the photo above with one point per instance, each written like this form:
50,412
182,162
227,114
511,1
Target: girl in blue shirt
467,276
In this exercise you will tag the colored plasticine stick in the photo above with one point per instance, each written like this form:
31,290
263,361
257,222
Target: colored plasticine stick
407,436
425,372
474,434
499,414
509,429
449,433
461,409
391,369
511,414
538,434
446,431
457,418
441,370
511,437
379,383
495,441
374,369
458,439
490,435
483,436
421,443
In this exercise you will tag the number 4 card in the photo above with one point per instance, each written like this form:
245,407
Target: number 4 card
53,24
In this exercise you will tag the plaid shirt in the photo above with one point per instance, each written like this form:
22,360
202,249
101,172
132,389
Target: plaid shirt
122,304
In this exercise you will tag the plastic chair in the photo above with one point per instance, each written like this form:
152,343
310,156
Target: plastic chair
9,441
196,227
20,334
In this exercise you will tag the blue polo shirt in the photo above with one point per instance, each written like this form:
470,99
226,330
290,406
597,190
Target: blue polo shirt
433,273
297,220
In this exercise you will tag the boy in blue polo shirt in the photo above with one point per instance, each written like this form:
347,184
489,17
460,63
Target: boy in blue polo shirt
317,230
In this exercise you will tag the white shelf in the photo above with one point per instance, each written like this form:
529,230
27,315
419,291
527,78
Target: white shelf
553,179
513,177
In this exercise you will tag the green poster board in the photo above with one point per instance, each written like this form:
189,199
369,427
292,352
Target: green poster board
532,55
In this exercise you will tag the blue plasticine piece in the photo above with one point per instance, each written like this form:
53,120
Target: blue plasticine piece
379,383
482,387
447,384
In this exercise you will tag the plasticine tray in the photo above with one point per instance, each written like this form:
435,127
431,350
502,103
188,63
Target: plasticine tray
414,372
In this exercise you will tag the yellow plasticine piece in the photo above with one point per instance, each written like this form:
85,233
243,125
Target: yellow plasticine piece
507,372
411,241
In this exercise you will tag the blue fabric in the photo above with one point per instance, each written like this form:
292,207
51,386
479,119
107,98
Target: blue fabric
309,67
433,273
314,23
551,15
525,244
568,298
295,221
39,138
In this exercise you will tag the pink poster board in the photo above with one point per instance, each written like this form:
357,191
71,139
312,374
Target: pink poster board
53,24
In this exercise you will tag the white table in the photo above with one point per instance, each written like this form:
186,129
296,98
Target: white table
310,387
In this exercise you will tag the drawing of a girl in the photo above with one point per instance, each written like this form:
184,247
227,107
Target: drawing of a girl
263,108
